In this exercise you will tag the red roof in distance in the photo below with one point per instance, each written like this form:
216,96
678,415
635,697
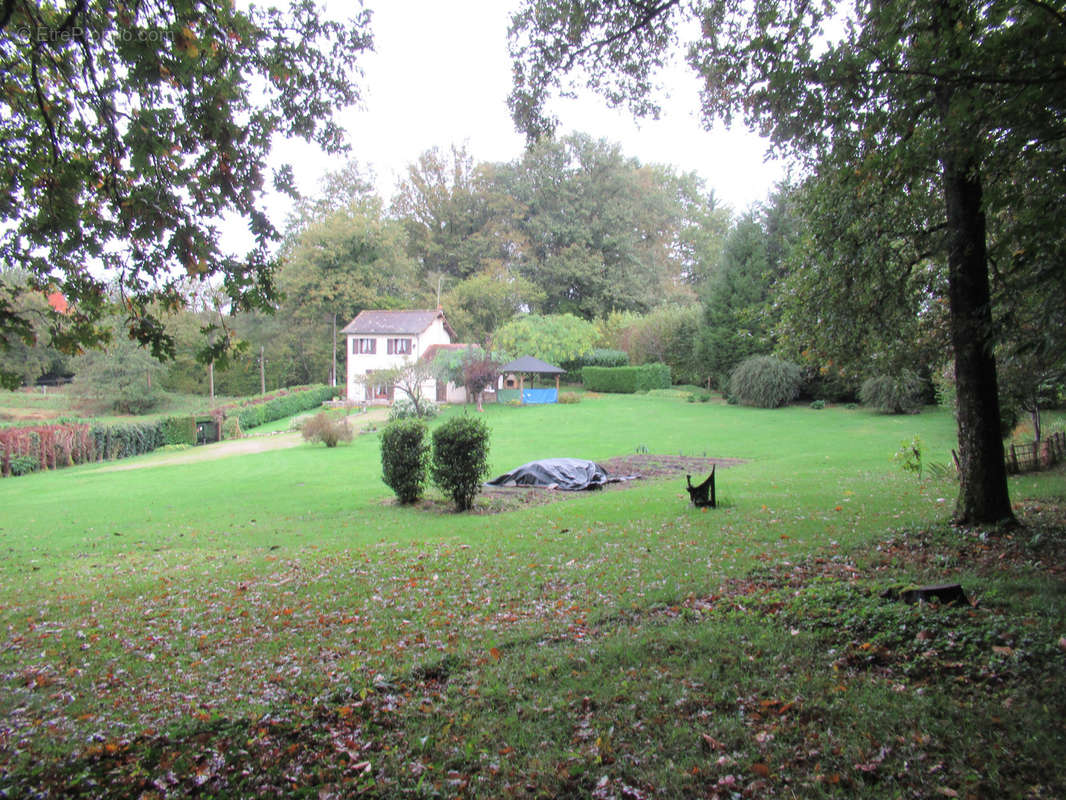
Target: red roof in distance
58,303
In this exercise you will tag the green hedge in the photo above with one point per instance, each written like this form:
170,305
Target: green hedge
125,440
283,405
179,430
600,357
626,380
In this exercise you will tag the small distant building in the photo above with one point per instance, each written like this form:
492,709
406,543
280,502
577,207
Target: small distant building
385,339
512,382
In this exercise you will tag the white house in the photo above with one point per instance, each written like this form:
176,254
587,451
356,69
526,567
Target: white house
384,339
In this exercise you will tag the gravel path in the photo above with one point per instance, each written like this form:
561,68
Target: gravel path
238,447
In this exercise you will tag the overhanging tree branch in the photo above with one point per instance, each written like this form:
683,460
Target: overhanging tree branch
650,11
1054,12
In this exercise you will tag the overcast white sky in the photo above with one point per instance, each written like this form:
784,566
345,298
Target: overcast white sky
440,75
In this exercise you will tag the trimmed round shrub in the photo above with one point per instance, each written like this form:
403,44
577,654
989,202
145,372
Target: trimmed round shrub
765,382
326,428
404,408
404,456
460,459
892,394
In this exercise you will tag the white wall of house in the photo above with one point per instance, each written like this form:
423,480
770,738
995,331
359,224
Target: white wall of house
454,394
361,362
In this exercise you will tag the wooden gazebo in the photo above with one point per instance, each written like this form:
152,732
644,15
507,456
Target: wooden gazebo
527,365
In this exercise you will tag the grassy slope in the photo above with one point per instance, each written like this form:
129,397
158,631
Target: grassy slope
285,583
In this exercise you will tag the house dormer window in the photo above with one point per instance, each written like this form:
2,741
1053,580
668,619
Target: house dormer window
364,346
399,347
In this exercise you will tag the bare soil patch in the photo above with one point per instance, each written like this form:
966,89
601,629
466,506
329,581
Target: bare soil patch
498,499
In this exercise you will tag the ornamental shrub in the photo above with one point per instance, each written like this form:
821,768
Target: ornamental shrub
893,394
404,457
765,382
326,428
404,408
24,465
459,462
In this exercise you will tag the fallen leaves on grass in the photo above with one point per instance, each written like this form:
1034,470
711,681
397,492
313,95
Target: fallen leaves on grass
310,677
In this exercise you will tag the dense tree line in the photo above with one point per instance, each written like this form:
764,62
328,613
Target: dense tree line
571,227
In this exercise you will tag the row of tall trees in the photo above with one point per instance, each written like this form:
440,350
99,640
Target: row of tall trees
573,227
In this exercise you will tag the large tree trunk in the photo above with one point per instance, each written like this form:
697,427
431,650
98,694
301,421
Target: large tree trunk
983,496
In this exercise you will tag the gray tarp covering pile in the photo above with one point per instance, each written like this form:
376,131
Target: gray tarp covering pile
570,474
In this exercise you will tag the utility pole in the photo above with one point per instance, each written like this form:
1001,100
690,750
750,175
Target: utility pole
211,379
333,371
262,372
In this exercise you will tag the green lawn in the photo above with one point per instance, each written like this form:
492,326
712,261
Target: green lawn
274,622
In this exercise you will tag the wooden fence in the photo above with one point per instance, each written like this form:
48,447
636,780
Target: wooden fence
1036,456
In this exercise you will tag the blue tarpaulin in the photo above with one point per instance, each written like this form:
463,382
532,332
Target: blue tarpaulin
534,396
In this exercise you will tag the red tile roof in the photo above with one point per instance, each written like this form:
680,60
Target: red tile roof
58,303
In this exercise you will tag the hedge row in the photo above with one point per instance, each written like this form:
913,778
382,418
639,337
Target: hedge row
282,404
41,447
25,450
179,430
29,449
126,440
600,357
626,380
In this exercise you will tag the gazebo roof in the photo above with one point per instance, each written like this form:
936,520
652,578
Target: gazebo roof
532,365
